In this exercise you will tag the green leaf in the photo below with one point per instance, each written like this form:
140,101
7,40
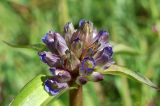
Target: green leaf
33,94
37,47
118,70
123,49
52,99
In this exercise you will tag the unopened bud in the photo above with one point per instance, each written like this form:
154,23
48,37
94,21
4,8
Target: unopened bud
51,59
96,76
81,80
69,30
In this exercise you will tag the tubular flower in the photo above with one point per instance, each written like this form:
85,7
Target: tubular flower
72,58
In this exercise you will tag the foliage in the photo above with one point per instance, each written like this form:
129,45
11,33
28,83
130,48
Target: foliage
132,23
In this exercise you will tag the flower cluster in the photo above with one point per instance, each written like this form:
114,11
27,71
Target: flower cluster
74,56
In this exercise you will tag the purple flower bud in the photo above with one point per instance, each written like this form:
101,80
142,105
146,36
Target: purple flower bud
96,76
72,62
93,38
68,29
81,80
103,36
63,76
86,32
103,40
49,58
77,47
49,40
60,44
104,57
61,73
87,66
53,71
53,87
55,42
81,22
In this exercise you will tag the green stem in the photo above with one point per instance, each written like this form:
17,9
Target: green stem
76,97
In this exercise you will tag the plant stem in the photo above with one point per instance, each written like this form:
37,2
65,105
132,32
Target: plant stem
76,97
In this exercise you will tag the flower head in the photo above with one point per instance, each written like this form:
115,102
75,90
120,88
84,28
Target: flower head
74,56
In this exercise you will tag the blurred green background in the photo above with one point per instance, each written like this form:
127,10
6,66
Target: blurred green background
135,23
